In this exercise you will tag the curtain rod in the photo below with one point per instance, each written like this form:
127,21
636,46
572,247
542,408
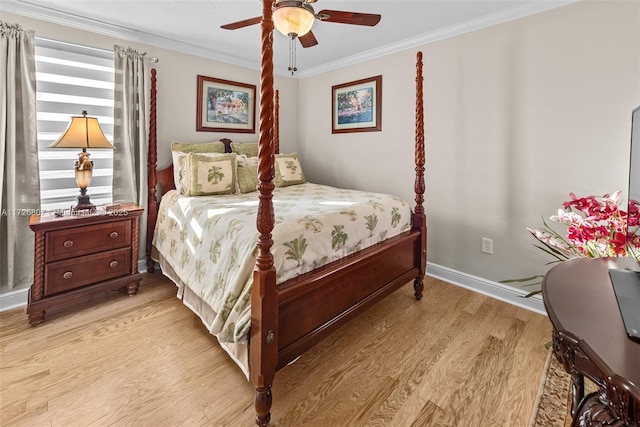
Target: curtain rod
153,59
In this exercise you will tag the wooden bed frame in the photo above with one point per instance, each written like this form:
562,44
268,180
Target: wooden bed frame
288,319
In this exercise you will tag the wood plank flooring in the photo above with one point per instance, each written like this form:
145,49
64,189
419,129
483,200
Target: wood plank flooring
456,358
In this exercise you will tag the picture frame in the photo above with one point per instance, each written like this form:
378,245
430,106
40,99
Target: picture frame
225,106
357,106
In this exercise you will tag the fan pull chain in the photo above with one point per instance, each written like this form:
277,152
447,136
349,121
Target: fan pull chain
292,53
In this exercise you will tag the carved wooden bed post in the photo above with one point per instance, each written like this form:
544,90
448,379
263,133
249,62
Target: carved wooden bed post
263,344
419,217
152,212
276,123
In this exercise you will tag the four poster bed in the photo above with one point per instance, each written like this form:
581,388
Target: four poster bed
291,300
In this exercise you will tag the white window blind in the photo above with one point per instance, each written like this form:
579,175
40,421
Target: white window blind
69,79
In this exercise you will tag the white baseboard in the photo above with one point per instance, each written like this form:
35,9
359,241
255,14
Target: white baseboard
495,290
509,294
18,298
13,299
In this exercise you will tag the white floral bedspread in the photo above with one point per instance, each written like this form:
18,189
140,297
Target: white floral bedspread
210,241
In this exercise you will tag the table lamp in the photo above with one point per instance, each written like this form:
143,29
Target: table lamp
83,132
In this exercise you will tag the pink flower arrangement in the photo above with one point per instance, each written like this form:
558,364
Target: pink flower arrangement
596,227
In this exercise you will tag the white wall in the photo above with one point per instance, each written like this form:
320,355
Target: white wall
517,116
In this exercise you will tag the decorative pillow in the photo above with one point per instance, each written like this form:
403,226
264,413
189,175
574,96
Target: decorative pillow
179,158
181,171
288,170
248,149
247,173
211,174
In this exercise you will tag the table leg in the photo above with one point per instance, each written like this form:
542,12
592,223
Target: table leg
577,391
595,411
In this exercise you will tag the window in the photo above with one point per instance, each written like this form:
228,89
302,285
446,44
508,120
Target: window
72,78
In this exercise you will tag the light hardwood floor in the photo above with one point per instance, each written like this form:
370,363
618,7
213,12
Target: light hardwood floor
456,358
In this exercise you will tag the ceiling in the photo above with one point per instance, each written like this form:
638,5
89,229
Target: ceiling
193,26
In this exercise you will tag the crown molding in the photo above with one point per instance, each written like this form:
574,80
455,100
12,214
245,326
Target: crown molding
95,26
489,20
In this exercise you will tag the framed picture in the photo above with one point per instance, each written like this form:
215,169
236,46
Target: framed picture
357,106
225,106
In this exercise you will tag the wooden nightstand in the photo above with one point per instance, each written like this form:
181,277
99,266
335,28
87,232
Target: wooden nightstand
83,253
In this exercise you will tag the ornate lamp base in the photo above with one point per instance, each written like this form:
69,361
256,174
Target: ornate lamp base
83,201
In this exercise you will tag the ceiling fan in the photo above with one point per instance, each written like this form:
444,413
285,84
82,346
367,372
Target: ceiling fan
294,18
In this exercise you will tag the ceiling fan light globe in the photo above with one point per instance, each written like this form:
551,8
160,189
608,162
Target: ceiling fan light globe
293,17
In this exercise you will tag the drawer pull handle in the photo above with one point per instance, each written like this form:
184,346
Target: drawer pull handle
113,264
113,235
68,243
68,275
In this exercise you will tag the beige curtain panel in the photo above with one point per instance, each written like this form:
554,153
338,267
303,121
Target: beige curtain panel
19,176
131,132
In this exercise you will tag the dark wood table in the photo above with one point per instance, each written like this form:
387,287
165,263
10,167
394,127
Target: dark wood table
590,340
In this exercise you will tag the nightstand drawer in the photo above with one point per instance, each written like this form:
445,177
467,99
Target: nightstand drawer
73,242
74,273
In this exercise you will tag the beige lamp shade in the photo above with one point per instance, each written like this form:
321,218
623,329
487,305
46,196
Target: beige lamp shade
82,132
293,18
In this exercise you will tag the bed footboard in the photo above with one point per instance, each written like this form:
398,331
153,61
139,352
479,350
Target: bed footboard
315,304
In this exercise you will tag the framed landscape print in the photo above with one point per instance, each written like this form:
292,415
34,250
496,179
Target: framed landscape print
225,106
357,106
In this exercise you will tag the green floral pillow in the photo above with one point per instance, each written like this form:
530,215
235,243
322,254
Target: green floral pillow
288,170
179,157
247,173
182,171
248,149
211,174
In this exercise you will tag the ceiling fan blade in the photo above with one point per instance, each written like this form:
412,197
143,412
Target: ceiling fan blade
342,17
308,40
242,24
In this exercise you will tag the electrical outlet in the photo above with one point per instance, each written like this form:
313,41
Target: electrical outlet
487,245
